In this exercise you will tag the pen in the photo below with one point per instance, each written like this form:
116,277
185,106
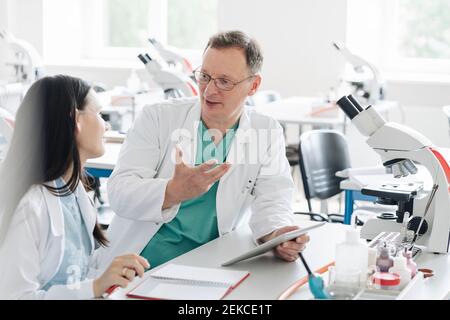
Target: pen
289,291
109,291
316,284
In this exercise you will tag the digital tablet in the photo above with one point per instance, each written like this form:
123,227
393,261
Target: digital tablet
267,246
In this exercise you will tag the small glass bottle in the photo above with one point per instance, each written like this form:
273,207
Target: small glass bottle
400,268
372,257
351,260
410,263
384,260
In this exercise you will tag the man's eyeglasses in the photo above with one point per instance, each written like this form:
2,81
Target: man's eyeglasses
220,83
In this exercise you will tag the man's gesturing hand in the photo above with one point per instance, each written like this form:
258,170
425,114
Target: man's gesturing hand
189,182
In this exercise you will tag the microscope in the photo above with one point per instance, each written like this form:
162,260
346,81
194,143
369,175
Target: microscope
400,148
175,83
20,66
21,58
172,56
364,77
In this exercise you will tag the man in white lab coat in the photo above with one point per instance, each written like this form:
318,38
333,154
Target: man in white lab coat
191,170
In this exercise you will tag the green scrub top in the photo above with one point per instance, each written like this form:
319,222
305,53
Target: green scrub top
196,221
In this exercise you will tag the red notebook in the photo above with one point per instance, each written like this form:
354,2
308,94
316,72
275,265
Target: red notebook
180,282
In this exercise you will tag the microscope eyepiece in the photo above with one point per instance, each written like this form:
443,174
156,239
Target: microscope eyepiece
142,58
348,107
355,103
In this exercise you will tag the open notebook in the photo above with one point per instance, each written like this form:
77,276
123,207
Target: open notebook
180,282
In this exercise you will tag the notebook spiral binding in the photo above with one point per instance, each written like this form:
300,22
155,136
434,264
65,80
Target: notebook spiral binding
185,281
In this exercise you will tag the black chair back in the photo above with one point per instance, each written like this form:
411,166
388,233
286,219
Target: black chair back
322,153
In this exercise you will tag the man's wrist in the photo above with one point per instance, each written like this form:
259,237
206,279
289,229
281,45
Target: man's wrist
171,197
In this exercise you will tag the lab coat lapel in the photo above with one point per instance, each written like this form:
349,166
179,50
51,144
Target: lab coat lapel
187,137
237,154
88,212
56,214
54,210
229,192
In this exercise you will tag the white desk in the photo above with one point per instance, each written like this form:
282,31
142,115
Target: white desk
103,166
306,111
269,276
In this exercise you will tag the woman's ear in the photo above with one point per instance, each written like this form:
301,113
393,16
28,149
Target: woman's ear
255,85
77,122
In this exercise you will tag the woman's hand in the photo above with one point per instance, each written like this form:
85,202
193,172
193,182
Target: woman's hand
122,270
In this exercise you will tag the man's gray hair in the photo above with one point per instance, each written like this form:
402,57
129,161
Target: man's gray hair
238,39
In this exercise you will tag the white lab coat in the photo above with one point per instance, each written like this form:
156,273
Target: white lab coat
34,246
137,186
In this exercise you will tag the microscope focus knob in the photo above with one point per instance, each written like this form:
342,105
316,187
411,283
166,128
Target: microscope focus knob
414,223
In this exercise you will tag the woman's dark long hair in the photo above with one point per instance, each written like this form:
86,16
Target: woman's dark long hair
43,146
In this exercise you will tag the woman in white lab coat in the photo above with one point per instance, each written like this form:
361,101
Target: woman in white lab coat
48,229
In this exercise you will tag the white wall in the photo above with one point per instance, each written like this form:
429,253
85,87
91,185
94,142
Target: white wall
25,20
296,39
422,104
307,65
3,14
